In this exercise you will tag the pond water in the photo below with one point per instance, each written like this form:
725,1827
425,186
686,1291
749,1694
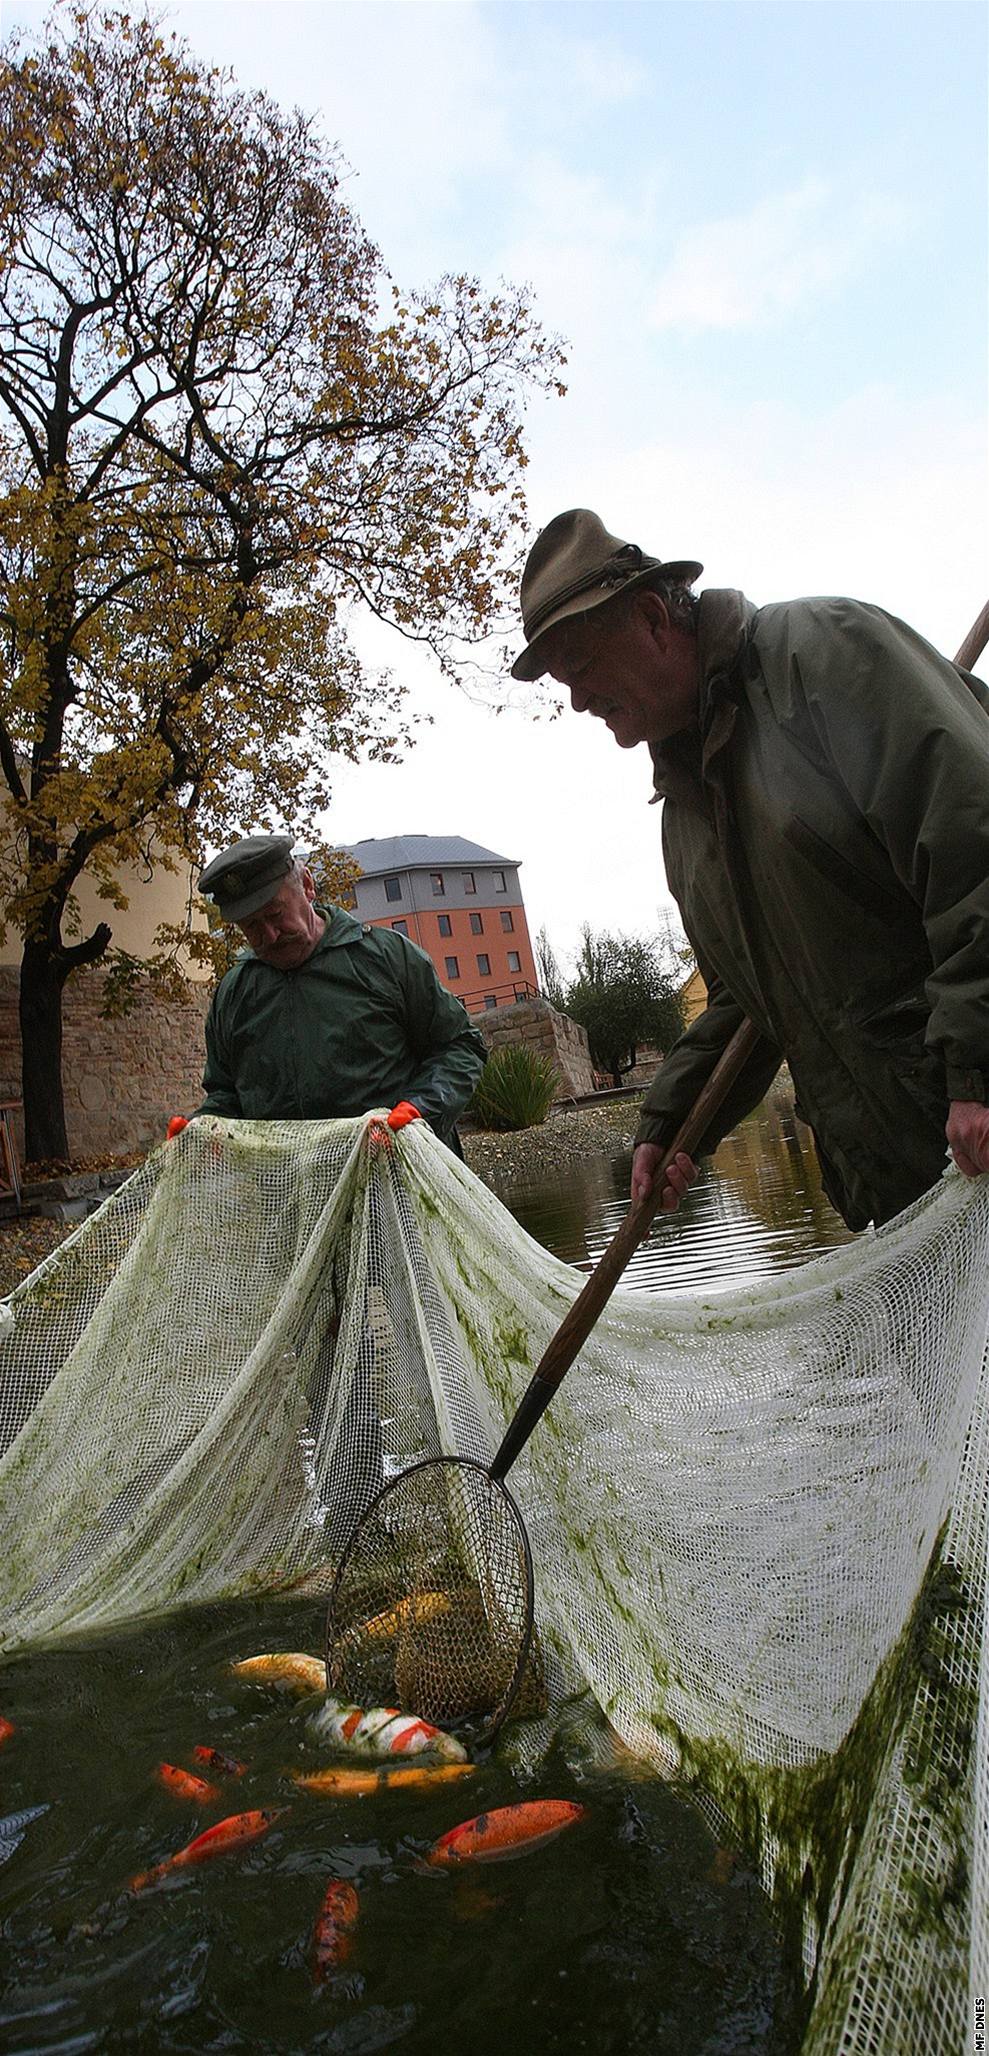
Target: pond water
631,1933
756,1207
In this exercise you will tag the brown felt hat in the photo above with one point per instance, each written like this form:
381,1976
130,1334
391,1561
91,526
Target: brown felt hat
573,566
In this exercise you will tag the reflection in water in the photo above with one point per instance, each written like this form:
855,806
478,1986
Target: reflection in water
757,1207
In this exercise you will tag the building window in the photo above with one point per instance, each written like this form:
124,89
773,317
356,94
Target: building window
507,921
400,927
514,960
490,1000
499,881
453,967
468,882
445,924
476,924
436,881
484,965
393,888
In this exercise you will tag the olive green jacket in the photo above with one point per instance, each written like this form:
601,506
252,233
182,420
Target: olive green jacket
364,1022
826,834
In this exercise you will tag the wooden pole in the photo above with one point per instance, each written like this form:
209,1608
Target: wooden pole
975,641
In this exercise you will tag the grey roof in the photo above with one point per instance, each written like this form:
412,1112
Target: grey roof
419,853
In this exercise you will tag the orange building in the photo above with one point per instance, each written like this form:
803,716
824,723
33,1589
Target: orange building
460,903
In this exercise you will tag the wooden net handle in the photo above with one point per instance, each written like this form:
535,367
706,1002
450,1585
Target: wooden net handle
576,1325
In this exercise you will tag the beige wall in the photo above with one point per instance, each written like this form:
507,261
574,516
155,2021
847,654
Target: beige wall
154,895
536,1024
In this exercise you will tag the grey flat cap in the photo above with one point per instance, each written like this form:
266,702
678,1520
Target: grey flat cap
247,875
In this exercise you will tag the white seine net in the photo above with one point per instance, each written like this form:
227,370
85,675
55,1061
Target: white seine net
758,1515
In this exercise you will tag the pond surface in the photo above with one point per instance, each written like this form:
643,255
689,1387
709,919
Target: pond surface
631,1935
757,1206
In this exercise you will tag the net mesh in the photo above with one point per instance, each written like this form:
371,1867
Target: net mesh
431,1607
757,1515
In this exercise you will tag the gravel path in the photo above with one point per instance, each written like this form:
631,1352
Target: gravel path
565,1137
568,1135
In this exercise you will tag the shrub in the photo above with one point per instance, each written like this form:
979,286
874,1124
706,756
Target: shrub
515,1089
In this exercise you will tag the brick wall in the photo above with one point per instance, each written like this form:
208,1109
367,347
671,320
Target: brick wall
122,1078
536,1024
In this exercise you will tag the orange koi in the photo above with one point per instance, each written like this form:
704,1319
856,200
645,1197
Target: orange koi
7,1729
333,1934
232,1833
508,1831
185,1785
286,1669
359,1784
225,1766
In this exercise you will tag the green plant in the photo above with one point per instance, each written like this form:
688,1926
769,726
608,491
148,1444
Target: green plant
515,1089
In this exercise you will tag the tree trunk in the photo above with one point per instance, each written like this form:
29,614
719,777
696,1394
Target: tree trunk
41,1054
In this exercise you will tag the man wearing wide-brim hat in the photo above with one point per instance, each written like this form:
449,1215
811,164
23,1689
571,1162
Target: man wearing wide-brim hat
324,1016
825,779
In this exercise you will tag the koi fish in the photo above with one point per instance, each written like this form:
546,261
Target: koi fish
285,1669
360,1784
333,1934
7,1729
508,1831
232,1833
14,1828
185,1785
225,1766
383,1731
417,1607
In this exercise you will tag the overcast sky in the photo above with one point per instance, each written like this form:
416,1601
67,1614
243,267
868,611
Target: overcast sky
763,231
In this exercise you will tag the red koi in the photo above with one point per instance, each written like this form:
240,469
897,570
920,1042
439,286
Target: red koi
225,1766
508,1831
7,1729
232,1833
185,1785
333,1934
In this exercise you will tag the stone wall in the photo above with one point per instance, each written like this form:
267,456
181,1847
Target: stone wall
536,1024
122,1078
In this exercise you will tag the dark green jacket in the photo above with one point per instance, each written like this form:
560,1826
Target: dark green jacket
826,834
364,1022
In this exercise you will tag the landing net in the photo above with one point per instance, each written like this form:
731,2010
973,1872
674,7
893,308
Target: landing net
757,1515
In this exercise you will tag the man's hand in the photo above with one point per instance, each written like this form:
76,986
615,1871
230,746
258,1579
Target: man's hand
680,1175
401,1115
967,1131
175,1126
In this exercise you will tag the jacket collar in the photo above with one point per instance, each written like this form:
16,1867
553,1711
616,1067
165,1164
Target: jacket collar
724,623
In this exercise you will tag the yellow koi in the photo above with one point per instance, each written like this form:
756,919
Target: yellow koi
287,1670
416,1608
360,1784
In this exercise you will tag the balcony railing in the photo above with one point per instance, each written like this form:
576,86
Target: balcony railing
502,996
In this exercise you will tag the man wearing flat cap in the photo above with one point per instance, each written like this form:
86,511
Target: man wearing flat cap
323,1016
825,779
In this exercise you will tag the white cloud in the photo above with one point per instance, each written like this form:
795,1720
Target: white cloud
748,271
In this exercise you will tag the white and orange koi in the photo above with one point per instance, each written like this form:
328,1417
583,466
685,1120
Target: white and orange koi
287,1670
382,1731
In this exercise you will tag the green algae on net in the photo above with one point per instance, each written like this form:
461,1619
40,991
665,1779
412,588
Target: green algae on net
801,1828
